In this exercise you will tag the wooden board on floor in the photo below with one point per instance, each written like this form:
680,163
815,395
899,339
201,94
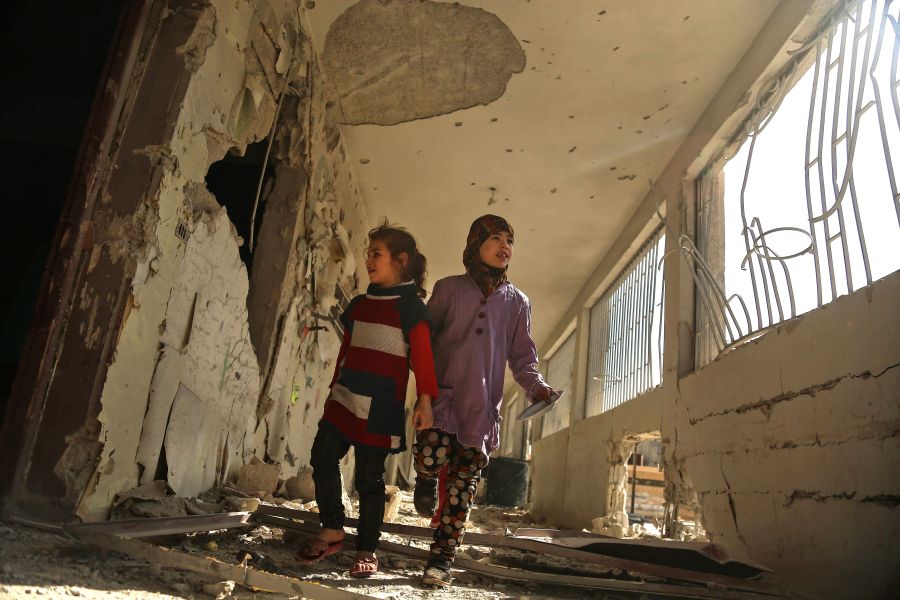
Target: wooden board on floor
281,517
245,575
508,573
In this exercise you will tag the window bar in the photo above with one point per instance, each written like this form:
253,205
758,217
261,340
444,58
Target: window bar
757,236
637,296
610,372
744,221
595,359
592,373
607,373
622,359
881,120
617,372
820,166
659,342
635,330
654,251
810,162
623,340
641,382
647,340
604,341
836,140
630,330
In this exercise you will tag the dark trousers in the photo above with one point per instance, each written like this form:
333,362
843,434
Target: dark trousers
328,449
433,449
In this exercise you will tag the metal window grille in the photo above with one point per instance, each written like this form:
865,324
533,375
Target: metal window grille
625,347
560,374
809,185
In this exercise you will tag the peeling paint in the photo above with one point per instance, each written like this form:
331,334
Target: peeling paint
185,377
398,61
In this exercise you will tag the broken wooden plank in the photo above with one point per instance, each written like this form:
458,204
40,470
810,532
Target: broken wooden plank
507,573
634,567
137,528
246,576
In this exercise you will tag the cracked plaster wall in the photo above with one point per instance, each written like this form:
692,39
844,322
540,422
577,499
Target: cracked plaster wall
592,454
333,234
791,444
788,445
185,376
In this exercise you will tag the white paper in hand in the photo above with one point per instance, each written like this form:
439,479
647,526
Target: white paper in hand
540,407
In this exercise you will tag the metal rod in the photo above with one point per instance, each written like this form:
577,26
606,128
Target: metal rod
633,476
807,179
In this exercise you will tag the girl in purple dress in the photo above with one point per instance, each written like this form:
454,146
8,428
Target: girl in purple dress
480,322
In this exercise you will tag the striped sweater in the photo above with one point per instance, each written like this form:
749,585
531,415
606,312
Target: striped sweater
386,331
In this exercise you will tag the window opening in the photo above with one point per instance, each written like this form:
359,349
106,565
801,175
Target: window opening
625,347
560,375
804,207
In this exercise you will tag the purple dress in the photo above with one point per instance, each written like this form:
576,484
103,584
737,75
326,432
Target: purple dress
473,338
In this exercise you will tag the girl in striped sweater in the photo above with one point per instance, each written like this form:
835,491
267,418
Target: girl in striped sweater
386,332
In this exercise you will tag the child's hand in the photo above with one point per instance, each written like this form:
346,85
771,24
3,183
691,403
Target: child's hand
542,394
423,417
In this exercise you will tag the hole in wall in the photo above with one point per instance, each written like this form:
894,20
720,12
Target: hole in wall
637,480
645,482
234,181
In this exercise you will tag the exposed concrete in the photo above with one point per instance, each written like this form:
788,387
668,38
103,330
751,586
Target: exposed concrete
186,383
577,473
787,445
331,234
791,443
400,60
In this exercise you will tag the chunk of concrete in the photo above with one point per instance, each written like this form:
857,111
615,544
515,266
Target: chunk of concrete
258,478
614,525
219,590
243,504
300,486
392,501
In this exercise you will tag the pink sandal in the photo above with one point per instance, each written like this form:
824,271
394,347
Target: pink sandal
364,567
306,557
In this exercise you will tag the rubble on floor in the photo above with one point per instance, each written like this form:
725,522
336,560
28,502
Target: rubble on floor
244,544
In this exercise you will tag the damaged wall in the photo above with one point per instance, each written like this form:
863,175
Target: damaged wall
333,234
787,445
791,442
590,450
187,397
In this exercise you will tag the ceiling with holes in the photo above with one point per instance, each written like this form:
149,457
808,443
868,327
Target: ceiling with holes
553,114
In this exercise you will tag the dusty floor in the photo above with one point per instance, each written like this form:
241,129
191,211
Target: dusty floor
36,562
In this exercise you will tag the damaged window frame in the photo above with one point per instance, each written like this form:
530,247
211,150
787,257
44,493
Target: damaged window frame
832,235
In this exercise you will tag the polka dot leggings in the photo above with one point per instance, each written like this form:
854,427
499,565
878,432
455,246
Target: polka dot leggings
433,449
